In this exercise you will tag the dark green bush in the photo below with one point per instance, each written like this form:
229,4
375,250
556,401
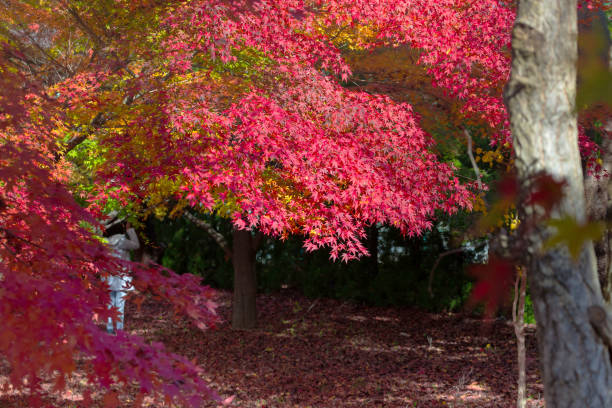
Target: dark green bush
399,276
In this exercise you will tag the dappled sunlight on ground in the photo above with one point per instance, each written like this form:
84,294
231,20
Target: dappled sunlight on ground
326,353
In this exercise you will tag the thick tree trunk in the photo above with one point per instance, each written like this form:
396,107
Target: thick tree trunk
244,310
541,100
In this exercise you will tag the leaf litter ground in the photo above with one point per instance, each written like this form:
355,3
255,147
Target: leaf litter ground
328,353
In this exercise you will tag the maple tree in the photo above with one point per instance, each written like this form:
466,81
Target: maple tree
305,156
235,107
302,156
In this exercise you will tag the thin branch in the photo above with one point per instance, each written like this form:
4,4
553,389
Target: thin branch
11,234
96,39
431,273
216,236
25,33
442,255
518,321
602,323
469,152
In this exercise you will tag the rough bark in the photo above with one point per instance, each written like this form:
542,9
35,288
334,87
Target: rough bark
541,100
244,309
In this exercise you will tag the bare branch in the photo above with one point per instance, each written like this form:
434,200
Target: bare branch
469,152
518,321
218,237
602,323
433,269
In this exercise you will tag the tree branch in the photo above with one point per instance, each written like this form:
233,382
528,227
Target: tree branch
469,152
95,38
602,323
442,255
96,123
433,269
215,235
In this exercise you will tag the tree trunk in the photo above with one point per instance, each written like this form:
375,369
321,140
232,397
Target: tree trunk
244,309
541,101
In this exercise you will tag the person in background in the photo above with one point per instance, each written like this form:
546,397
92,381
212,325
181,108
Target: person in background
121,243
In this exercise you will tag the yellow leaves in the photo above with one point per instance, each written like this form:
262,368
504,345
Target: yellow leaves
510,219
491,157
227,203
500,216
158,193
514,223
573,234
353,37
478,203
283,188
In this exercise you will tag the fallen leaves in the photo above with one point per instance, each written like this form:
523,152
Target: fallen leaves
385,358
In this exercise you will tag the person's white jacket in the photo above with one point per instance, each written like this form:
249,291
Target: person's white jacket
121,245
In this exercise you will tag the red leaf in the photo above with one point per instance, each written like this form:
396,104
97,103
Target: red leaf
493,282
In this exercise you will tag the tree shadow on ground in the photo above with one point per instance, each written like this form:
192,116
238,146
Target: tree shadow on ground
327,353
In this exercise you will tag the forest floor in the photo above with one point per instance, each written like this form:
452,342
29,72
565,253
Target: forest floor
328,353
